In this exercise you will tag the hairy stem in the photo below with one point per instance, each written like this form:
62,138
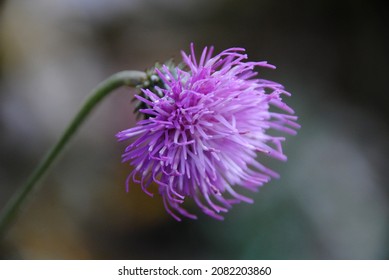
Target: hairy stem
125,78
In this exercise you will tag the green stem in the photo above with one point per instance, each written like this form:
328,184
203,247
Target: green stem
125,78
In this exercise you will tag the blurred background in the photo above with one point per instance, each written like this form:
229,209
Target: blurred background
332,199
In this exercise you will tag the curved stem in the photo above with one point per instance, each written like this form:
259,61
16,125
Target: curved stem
125,78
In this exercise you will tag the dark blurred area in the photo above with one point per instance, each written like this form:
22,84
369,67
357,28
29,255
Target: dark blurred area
332,199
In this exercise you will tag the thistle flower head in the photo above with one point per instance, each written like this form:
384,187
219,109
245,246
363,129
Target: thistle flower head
206,124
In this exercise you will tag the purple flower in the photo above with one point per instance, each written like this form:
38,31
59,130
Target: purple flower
204,130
